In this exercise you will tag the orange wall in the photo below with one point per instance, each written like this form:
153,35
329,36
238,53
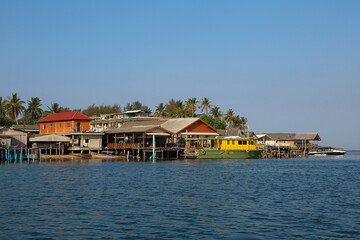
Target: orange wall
46,127
199,127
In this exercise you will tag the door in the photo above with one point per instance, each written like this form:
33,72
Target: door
78,127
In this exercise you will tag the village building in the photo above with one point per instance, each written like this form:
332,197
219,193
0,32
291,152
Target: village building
68,131
288,139
28,128
287,144
66,122
13,138
136,138
115,120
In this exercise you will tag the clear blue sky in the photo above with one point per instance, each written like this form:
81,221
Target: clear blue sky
288,66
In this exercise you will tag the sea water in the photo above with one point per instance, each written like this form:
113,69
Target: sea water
313,198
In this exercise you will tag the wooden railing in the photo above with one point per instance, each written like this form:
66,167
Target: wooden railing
123,145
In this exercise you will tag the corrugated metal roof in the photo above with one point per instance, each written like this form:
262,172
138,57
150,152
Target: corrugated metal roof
132,129
293,136
176,125
199,134
172,125
65,116
49,138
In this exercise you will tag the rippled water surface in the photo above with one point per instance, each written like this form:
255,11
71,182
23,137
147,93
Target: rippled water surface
317,198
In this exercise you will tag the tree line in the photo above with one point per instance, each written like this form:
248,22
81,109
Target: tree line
13,110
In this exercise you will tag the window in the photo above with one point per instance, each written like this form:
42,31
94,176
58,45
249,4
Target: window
244,142
240,142
68,124
233,142
86,140
43,126
251,142
51,125
228,142
59,125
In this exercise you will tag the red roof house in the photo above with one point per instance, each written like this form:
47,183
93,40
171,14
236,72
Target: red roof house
66,122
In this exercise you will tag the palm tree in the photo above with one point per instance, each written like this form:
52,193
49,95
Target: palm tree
160,110
215,112
14,106
205,105
192,104
2,107
181,112
54,108
34,109
243,121
172,106
229,117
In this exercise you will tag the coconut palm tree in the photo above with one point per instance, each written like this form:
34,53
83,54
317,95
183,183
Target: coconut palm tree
160,110
205,105
34,108
216,113
229,117
172,107
2,107
243,121
54,108
14,106
191,103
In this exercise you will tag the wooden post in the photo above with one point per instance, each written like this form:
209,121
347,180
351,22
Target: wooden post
81,144
72,144
124,146
107,140
154,148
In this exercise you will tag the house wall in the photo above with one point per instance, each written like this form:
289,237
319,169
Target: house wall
18,138
5,142
93,142
64,126
199,127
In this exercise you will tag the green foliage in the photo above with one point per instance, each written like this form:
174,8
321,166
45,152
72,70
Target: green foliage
160,110
6,122
216,123
175,108
192,105
215,112
56,108
34,108
94,110
240,122
27,119
229,117
137,106
2,107
14,106
205,105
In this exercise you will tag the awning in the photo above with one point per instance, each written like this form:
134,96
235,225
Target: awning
158,134
199,134
50,138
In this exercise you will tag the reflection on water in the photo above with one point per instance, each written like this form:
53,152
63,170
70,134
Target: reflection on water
316,198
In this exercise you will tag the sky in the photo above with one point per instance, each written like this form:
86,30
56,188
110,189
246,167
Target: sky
287,66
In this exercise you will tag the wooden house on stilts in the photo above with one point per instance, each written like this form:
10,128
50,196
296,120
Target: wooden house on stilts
135,139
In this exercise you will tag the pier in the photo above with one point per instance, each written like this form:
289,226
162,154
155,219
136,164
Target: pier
20,155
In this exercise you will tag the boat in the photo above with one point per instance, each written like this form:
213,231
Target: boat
221,148
105,155
325,151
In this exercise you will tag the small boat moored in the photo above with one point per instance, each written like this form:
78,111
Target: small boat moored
325,151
